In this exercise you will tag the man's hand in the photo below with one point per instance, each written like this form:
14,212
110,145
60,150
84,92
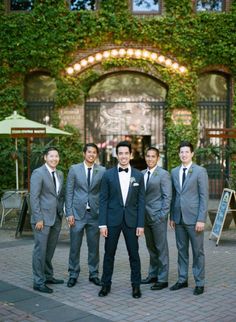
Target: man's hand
104,231
139,231
71,221
39,225
172,224
199,226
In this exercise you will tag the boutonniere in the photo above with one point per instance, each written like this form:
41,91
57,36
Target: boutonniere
132,180
95,171
155,173
190,171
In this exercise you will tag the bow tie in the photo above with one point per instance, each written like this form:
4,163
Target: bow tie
126,170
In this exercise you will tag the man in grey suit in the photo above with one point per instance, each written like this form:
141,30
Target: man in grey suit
157,199
82,205
188,215
46,201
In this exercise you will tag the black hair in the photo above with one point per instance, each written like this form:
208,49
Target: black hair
92,145
124,143
186,143
50,148
152,148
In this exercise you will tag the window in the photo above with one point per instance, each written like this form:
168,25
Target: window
83,4
40,91
210,5
20,5
146,6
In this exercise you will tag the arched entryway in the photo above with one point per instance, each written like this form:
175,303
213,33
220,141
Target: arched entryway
126,106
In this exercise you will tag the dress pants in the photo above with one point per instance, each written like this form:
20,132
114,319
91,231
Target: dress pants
184,234
90,226
157,245
132,246
45,242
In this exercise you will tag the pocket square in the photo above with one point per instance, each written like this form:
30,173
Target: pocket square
136,184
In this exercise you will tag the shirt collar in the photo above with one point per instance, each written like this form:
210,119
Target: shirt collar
152,170
86,167
50,169
186,167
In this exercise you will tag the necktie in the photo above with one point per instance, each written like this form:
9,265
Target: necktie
184,176
89,176
121,169
54,180
148,178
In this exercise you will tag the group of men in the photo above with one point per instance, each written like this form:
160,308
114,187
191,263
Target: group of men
121,199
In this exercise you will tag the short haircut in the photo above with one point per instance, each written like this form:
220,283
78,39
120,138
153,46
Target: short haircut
152,148
124,143
48,149
186,143
92,145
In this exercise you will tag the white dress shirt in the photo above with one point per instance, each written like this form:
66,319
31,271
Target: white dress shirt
146,175
124,178
91,175
181,172
56,178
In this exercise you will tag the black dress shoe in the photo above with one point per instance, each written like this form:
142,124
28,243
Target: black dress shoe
104,290
71,282
159,286
198,290
43,289
95,280
149,280
178,286
136,293
54,281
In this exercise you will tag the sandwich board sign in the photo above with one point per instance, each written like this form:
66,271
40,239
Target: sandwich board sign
221,214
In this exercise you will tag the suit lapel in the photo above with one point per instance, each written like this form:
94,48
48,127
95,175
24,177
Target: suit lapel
49,178
176,179
117,184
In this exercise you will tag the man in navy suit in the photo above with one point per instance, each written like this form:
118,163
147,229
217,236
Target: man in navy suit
188,215
46,201
122,209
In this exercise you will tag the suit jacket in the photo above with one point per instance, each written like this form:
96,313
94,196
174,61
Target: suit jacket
112,210
158,196
192,199
45,203
78,194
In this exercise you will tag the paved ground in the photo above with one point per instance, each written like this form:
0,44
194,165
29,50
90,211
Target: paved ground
18,302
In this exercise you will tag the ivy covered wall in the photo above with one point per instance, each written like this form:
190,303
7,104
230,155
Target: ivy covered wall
50,37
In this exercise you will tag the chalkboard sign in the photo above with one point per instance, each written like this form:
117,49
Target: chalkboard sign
222,213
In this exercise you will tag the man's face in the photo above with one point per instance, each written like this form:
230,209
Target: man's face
90,155
186,155
151,159
52,159
123,156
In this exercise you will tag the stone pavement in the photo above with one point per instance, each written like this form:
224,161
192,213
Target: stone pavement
18,302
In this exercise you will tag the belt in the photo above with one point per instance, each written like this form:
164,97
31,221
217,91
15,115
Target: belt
88,209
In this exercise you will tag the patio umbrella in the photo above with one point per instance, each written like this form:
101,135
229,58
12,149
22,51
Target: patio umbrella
18,126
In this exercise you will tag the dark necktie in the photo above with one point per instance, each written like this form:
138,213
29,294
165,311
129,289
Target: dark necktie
184,176
89,176
54,180
148,178
121,169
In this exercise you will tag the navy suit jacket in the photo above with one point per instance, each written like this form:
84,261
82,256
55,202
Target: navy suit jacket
112,210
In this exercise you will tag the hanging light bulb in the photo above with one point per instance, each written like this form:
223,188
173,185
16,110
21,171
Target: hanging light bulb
182,69
98,56
91,59
84,62
138,53
153,56
77,67
70,70
175,66
161,59
106,54
114,52
130,52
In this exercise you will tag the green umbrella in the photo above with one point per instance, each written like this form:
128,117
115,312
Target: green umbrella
18,126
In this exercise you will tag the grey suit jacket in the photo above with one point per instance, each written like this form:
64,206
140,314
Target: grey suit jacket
78,194
192,199
45,203
158,196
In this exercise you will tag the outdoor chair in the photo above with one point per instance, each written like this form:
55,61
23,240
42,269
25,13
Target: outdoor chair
11,200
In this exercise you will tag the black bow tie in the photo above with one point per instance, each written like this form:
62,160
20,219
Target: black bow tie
126,170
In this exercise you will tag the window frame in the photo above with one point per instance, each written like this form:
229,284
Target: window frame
146,13
224,8
97,2
8,7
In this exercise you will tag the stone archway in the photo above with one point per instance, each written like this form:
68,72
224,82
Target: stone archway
126,105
